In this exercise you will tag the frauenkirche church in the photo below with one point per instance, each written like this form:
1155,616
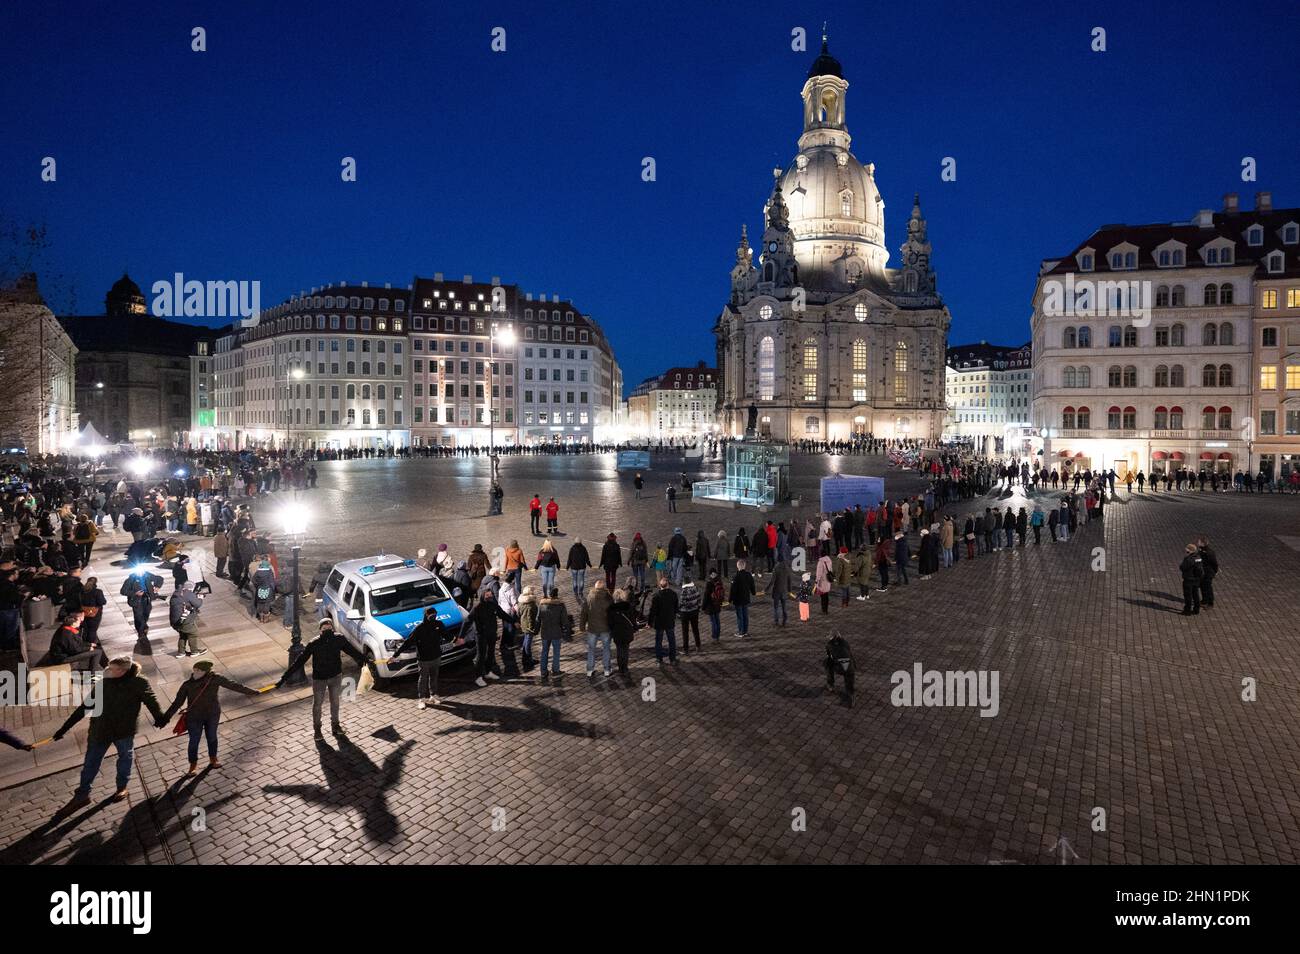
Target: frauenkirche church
821,340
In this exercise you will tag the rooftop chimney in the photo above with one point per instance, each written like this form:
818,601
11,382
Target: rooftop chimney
1263,202
388,285
365,284
437,276
496,279
1204,219
1230,203
467,280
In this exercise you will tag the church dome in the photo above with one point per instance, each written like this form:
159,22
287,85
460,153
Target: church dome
836,216
124,298
825,64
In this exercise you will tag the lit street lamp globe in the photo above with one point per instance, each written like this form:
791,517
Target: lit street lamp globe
293,517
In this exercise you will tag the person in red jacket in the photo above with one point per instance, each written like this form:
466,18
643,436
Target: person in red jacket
552,516
535,514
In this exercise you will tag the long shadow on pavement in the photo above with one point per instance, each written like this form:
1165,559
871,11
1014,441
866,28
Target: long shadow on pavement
352,781
533,714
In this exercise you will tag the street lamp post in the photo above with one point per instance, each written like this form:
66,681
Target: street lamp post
506,336
294,519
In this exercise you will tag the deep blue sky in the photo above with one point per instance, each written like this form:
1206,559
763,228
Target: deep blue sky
225,164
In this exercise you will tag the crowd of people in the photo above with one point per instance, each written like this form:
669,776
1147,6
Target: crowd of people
675,587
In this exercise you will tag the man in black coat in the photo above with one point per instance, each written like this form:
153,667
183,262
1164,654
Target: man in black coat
578,563
1210,569
326,655
485,614
427,640
743,591
663,617
839,658
140,590
611,558
1193,572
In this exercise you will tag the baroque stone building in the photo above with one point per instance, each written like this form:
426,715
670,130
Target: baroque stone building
134,375
820,339
37,362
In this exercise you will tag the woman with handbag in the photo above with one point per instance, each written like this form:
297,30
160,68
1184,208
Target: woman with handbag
202,712
93,602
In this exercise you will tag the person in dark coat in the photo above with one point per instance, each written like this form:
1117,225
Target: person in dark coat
622,625
92,606
113,705
839,659
578,563
426,639
743,591
69,647
703,554
326,654
11,740
758,550
902,555
485,615
928,558
611,558
1193,572
663,617
678,550
740,546
200,694
1210,569
140,590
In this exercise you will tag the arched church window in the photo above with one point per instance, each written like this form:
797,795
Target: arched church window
769,272
909,282
900,373
810,370
846,204
826,112
766,369
859,370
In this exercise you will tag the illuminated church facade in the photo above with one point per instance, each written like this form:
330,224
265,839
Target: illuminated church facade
820,339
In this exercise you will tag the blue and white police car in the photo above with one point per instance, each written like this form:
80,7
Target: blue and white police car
376,602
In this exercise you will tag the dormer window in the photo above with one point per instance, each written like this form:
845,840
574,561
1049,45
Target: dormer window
1275,263
1254,235
1211,256
1164,258
1124,256
1225,257
1178,256
1085,262
1291,234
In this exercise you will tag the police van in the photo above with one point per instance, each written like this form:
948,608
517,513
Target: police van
376,602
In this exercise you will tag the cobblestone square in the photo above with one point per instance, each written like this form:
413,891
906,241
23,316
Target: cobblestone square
1109,699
